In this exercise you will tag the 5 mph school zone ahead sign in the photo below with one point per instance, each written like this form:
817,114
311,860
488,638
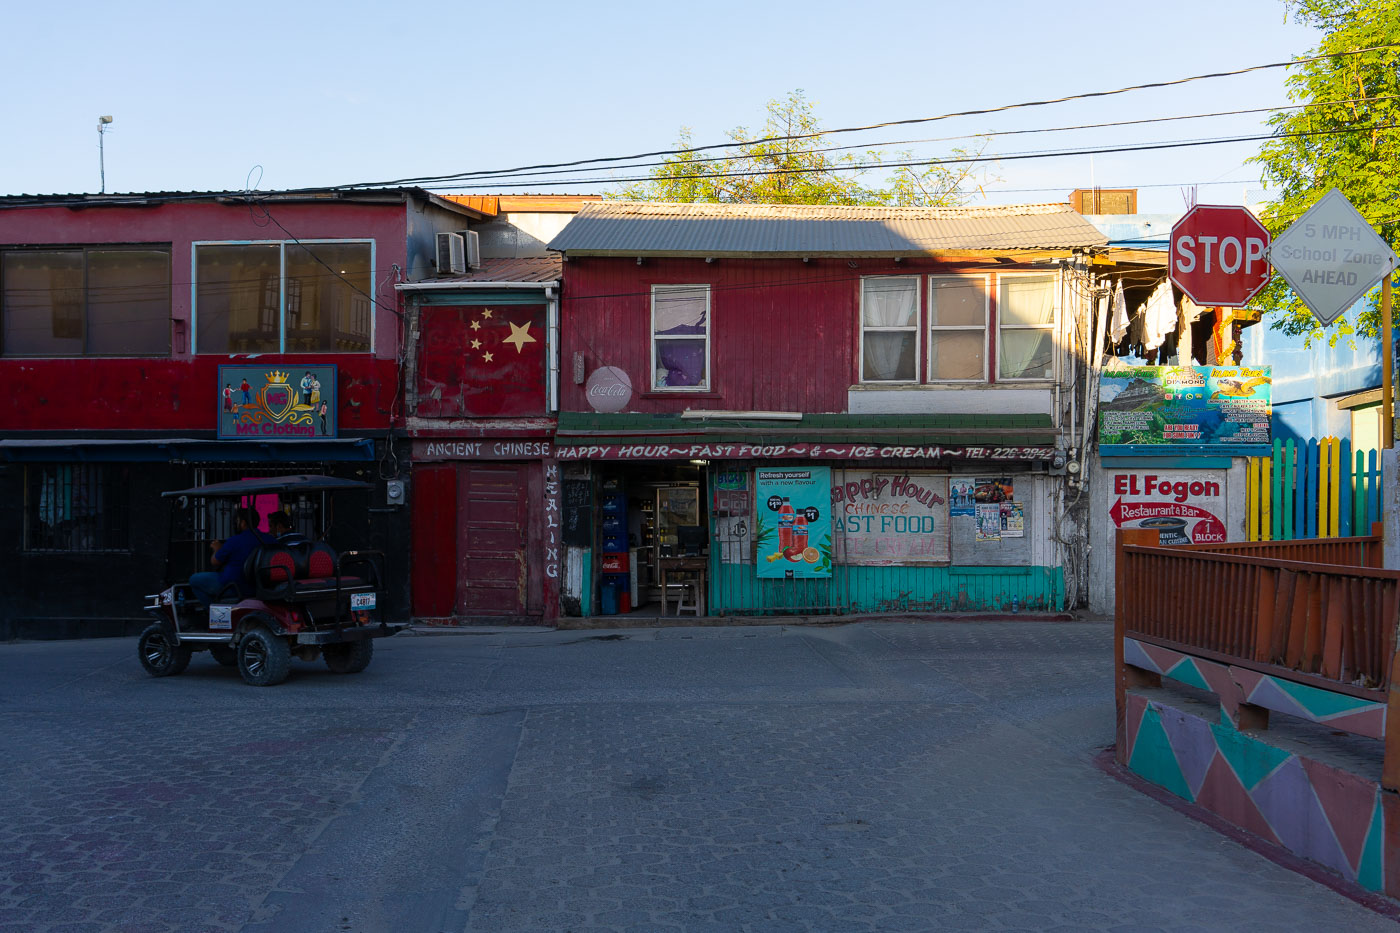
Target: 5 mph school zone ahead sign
1217,254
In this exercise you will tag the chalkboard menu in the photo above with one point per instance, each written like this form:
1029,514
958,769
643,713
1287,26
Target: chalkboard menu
578,512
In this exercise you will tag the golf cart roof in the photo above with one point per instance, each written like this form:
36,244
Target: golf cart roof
301,482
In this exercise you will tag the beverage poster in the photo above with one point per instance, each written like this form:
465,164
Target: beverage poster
988,521
793,523
892,519
1185,406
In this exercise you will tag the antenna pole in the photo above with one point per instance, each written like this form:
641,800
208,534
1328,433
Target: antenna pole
102,123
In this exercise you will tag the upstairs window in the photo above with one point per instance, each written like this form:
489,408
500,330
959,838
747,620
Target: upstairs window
957,324
284,297
680,337
86,301
1026,338
889,333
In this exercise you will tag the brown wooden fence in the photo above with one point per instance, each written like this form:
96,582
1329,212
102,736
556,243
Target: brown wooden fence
1358,551
1299,620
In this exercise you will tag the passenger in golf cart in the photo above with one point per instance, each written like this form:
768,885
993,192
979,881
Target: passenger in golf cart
275,596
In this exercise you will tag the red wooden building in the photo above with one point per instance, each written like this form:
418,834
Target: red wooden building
927,364
151,341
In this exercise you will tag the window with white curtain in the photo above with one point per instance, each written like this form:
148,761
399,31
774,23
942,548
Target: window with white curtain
1026,326
957,328
680,337
889,332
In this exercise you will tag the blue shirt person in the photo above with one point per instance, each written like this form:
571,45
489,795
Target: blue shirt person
229,557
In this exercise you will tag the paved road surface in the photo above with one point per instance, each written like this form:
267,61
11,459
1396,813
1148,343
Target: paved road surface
866,777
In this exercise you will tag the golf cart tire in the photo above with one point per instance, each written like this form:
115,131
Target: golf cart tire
264,659
227,655
349,657
159,654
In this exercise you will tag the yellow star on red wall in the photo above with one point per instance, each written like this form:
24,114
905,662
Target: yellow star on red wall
519,336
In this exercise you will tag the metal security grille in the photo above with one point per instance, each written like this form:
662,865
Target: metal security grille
76,508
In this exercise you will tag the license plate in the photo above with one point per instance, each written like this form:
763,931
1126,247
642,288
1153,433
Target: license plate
361,600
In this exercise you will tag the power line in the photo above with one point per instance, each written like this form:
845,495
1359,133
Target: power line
424,180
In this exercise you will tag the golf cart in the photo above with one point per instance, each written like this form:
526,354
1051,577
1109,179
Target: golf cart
301,598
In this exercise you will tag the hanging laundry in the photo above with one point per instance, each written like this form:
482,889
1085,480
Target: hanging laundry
1119,324
1158,317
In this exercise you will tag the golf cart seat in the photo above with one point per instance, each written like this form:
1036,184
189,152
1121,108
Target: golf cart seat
296,571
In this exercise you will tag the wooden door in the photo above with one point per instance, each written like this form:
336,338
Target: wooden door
434,540
492,575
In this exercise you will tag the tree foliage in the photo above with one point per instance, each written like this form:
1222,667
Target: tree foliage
805,170
1353,112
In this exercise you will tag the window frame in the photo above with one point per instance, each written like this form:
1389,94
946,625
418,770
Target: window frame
114,482
1056,287
83,249
706,384
281,291
917,327
928,325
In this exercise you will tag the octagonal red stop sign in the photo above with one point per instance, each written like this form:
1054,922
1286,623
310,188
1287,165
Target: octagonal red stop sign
1217,255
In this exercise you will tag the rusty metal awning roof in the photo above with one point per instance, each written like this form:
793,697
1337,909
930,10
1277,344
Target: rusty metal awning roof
635,228
523,272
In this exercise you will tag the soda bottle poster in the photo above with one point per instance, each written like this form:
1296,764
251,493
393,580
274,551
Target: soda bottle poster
793,529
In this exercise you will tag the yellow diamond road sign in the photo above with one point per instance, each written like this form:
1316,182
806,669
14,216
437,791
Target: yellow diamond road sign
1331,257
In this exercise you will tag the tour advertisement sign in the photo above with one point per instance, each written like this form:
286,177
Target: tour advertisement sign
271,403
891,518
793,530
1185,406
1184,507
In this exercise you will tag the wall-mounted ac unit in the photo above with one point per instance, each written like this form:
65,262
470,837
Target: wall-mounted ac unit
451,254
473,248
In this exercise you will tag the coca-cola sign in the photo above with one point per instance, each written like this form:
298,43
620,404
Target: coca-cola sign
608,389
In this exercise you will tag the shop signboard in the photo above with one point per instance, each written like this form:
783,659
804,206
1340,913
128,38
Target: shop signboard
1183,507
793,530
269,403
891,518
1210,408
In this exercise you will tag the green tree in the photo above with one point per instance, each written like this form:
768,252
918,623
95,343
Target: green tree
1353,109
805,170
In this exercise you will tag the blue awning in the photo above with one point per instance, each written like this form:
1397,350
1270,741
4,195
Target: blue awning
187,449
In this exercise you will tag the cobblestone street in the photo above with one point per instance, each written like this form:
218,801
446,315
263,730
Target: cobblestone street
862,777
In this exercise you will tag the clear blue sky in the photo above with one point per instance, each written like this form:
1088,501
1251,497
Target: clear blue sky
331,93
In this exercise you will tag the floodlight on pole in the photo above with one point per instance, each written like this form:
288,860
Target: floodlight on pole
101,153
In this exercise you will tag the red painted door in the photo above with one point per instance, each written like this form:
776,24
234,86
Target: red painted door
434,493
492,574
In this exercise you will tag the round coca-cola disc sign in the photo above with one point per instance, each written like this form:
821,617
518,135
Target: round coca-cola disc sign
608,389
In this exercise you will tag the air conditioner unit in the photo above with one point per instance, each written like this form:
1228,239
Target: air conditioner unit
473,248
451,254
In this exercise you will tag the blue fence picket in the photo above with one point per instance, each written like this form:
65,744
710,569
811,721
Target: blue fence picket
1309,483
1343,481
1290,513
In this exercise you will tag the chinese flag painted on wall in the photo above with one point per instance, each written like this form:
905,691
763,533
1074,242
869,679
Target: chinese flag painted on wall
481,361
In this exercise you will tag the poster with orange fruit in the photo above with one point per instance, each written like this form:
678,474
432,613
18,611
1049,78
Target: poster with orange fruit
794,522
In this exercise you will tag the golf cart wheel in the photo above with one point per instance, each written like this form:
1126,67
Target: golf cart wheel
264,659
349,657
226,655
159,654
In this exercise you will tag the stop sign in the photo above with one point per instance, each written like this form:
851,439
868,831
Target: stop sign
1217,255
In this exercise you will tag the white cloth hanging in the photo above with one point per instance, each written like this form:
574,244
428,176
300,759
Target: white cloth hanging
1158,317
1119,323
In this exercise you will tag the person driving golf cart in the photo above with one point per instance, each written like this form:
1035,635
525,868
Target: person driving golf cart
229,557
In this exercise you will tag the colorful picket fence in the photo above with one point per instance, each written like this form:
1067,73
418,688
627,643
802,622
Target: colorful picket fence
1317,489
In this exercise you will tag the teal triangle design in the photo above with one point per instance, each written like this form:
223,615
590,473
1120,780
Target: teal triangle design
1321,703
1251,760
1186,672
1370,874
1153,757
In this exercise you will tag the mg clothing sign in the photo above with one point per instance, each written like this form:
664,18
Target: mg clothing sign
1331,257
1182,506
277,402
793,531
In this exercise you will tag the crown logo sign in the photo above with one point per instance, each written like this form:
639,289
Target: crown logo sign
277,376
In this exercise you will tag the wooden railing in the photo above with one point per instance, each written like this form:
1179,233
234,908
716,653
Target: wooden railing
1359,551
1287,617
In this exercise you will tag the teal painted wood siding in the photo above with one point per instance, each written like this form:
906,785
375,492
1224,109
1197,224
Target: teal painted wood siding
736,590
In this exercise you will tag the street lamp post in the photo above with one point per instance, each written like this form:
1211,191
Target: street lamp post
102,123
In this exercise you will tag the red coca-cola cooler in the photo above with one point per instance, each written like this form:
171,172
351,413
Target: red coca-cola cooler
615,563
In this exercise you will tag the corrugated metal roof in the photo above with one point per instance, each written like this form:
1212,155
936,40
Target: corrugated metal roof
528,269
633,228
299,195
